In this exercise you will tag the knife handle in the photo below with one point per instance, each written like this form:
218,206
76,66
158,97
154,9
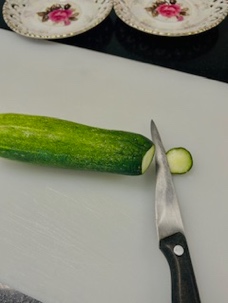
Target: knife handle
184,287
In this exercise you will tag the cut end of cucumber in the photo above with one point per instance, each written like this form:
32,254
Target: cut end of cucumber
147,159
180,160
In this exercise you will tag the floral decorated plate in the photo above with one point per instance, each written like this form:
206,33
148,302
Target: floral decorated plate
172,17
54,19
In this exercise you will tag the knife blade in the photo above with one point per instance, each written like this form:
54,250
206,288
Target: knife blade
170,229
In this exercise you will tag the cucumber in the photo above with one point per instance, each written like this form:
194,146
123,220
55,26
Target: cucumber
60,143
180,160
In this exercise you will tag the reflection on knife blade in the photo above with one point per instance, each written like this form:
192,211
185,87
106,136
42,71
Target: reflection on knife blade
170,229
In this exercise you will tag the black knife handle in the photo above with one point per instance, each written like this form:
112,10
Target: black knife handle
184,287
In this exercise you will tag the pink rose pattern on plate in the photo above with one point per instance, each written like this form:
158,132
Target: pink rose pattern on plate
168,9
59,14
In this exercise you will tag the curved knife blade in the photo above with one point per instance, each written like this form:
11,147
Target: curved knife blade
168,216
170,229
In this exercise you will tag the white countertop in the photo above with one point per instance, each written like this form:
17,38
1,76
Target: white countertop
69,236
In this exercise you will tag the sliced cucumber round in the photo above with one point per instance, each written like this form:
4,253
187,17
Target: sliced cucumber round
180,160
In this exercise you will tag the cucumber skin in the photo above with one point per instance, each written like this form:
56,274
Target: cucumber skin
60,143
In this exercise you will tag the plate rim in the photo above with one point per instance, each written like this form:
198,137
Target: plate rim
31,34
117,8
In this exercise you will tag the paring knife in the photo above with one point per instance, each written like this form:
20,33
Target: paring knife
170,229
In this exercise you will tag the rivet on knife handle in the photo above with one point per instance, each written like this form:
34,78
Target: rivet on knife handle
184,286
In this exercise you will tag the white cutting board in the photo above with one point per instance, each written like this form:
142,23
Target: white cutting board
81,237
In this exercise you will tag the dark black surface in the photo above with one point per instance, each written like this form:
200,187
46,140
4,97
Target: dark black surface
12,296
204,54
184,287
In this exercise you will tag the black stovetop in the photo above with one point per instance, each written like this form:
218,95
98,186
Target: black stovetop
203,54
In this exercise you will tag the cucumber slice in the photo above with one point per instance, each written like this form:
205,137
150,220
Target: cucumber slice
180,160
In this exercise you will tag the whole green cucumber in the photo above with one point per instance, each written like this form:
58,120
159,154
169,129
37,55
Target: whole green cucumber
56,142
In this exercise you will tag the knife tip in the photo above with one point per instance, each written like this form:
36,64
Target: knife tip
152,124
